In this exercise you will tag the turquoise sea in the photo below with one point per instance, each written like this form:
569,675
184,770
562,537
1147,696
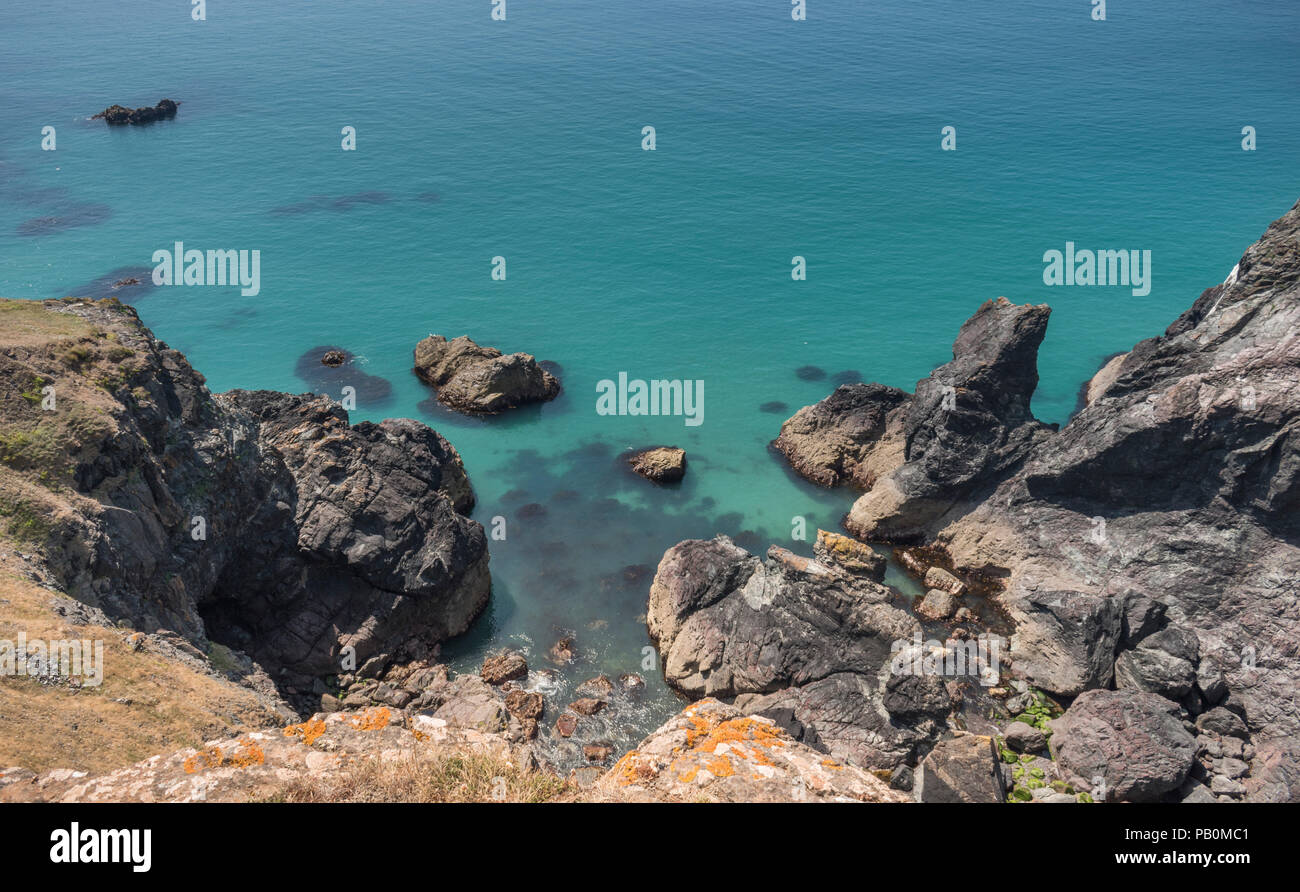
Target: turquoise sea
775,138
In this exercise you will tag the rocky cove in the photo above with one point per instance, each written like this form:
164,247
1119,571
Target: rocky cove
1150,656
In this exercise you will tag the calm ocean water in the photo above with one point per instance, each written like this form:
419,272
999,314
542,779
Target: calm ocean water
523,139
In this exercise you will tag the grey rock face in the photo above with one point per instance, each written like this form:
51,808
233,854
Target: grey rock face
1066,640
961,769
267,522
1163,663
1133,741
1172,493
806,644
481,380
967,425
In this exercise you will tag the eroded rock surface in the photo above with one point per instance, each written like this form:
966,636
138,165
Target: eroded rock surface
715,753
481,380
806,643
260,520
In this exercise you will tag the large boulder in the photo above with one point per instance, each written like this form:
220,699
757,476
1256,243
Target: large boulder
1127,745
662,464
851,438
961,769
806,643
481,380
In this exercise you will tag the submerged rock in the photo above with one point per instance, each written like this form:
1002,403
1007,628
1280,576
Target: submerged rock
481,380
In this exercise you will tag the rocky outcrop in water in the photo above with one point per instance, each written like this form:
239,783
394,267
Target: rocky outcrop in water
805,643
118,115
662,464
851,438
260,520
481,380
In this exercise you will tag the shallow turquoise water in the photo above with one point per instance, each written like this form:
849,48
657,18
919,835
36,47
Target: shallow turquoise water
522,139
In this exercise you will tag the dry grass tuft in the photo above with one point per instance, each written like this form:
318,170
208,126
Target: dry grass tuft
430,777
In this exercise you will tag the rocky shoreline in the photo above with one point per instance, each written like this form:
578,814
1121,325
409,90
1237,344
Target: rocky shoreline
1142,559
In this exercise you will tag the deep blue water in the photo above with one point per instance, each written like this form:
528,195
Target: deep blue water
523,139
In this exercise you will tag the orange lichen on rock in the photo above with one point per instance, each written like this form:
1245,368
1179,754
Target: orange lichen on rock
372,719
248,754
706,738
203,759
631,769
720,767
310,730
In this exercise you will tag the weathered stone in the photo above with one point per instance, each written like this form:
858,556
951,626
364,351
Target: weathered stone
937,604
852,555
587,706
1024,738
961,769
1133,741
714,752
481,380
662,464
796,639
939,578
504,667
850,438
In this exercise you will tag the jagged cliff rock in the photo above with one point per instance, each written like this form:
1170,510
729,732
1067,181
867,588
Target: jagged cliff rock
261,520
806,643
1153,543
967,424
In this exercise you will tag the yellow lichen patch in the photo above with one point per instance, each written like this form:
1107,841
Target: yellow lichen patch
248,755
631,769
204,759
689,776
310,730
372,719
832,764
720,767
741,730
